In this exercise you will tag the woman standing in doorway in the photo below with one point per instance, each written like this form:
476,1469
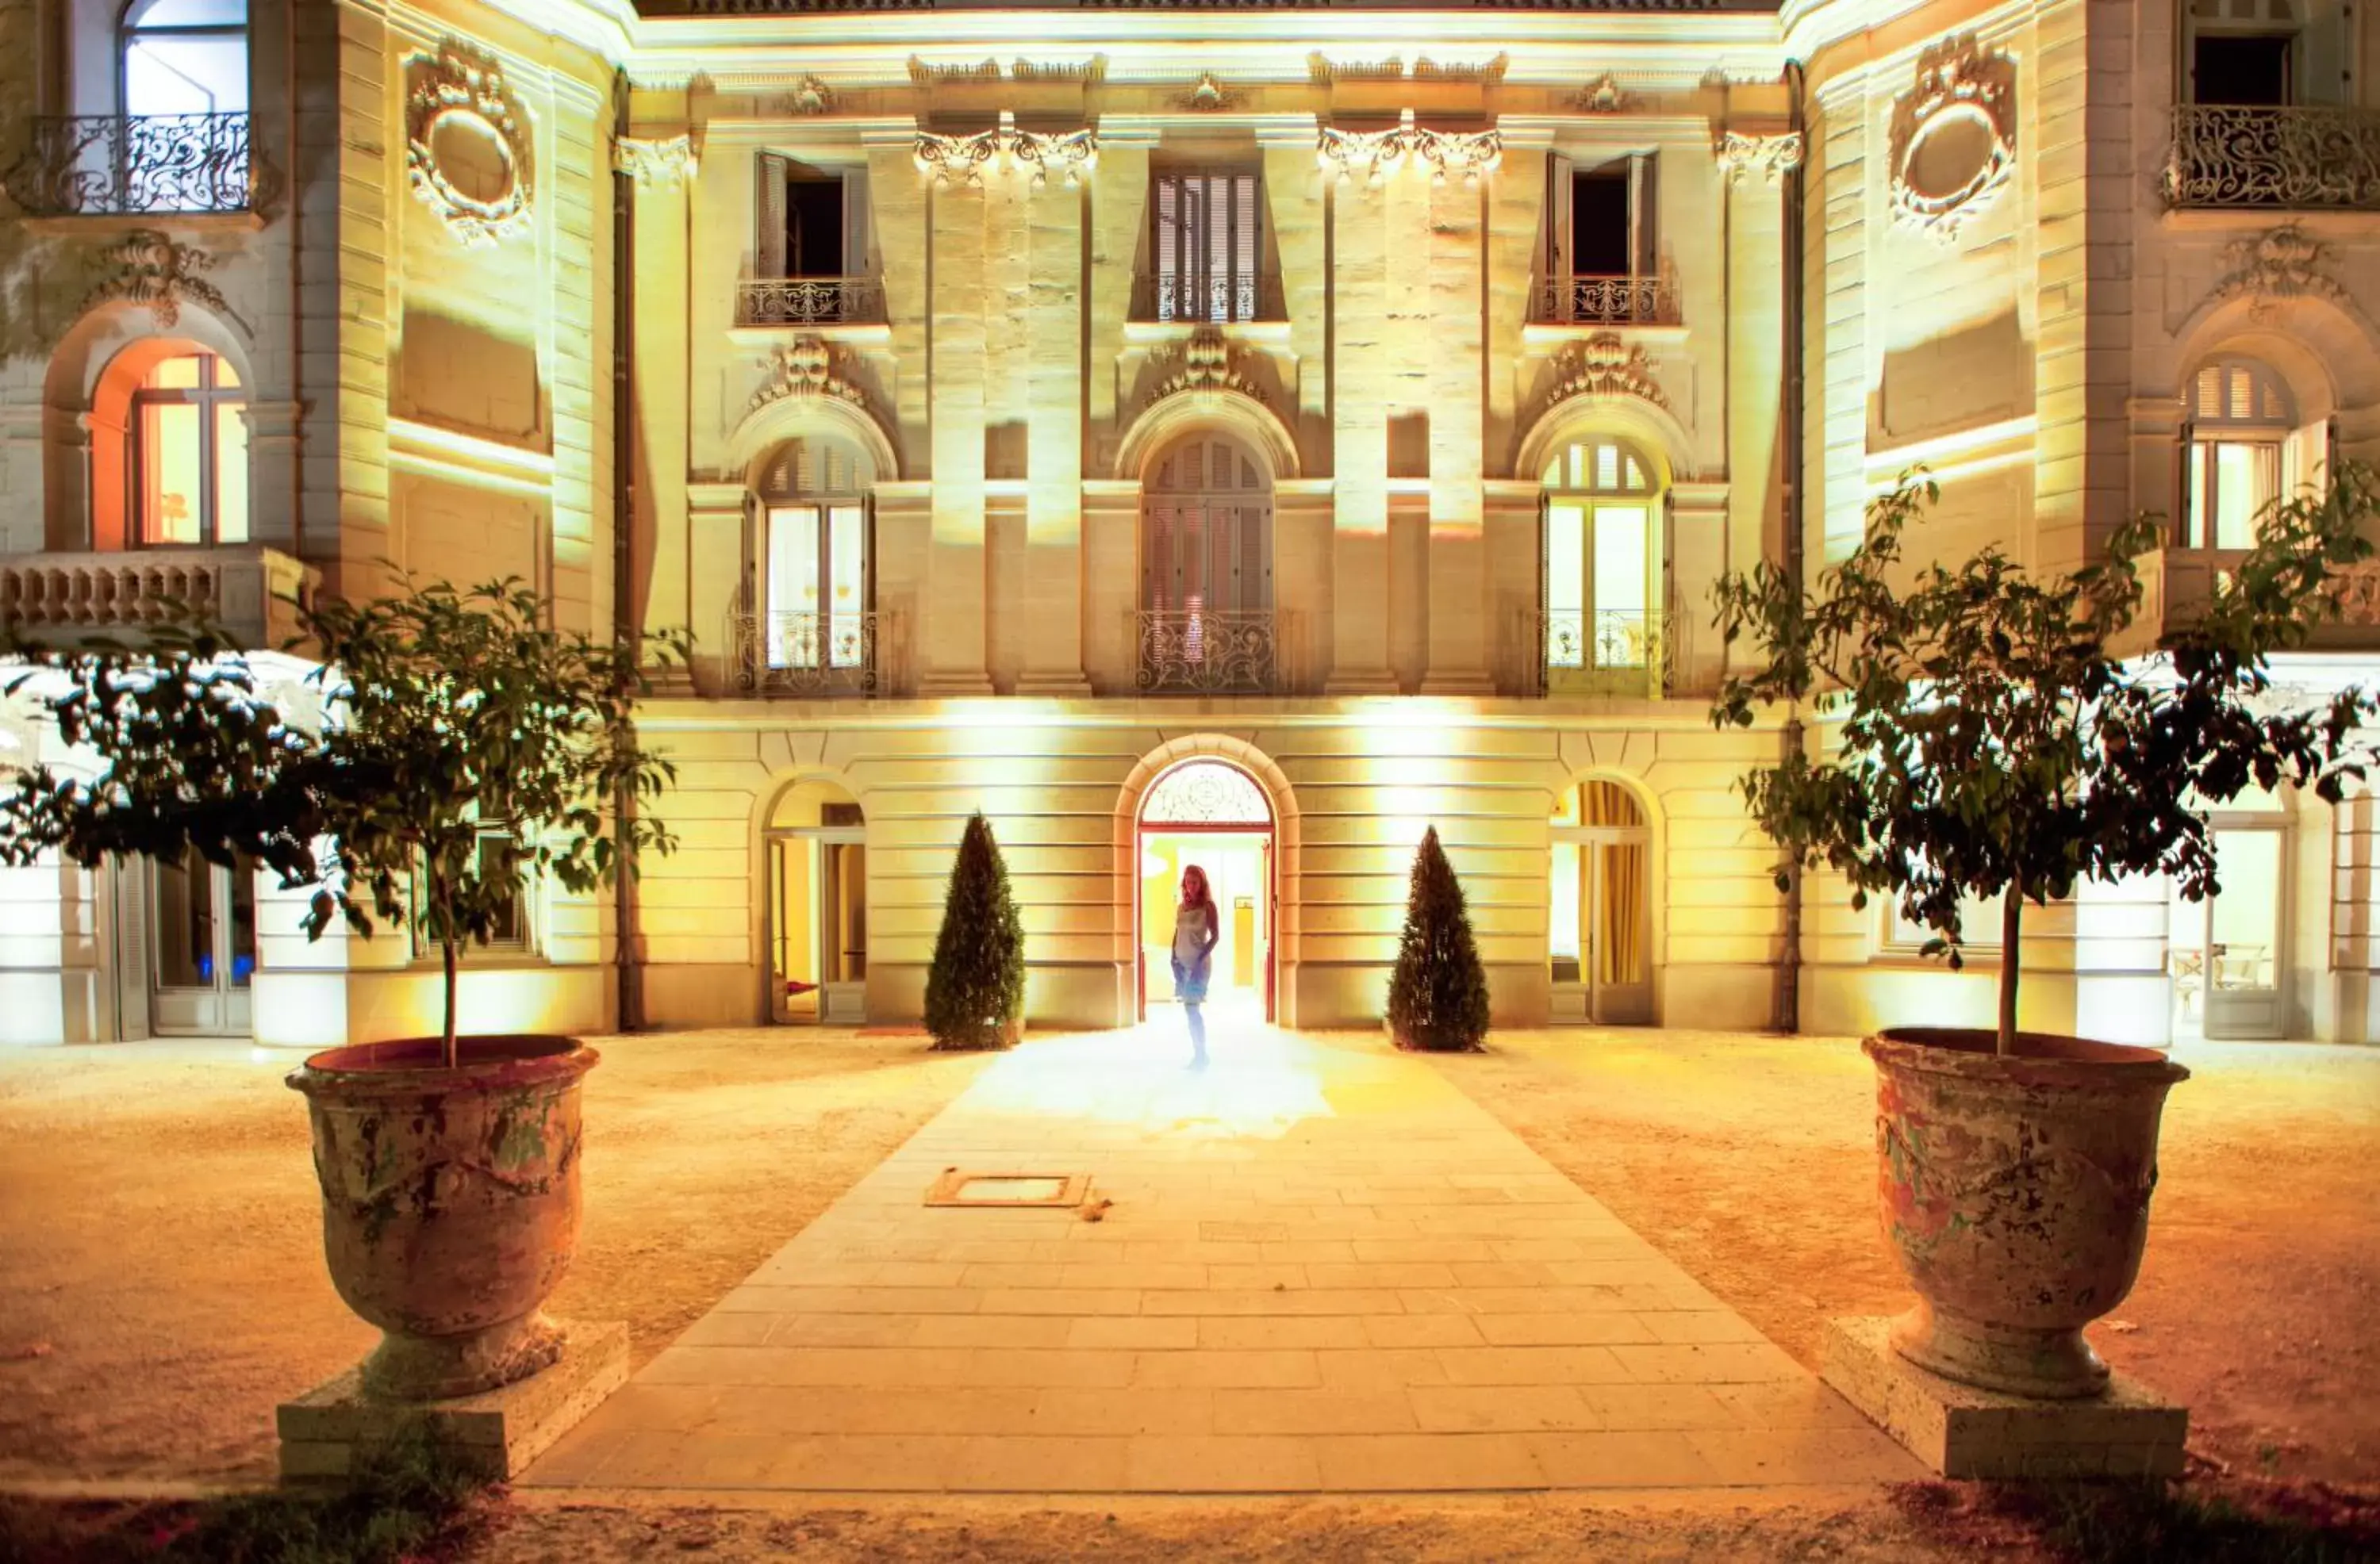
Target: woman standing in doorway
1196,929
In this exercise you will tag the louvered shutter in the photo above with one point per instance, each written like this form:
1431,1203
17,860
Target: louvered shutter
768,216
1246,246
1539,639
854,222
1167,240
1644,250
1554,253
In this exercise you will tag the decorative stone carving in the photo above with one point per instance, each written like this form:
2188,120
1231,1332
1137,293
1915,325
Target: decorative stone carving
810,96
924,75
1208,361
809,366
149,268
1773,157
670,161
467,147
1373,154
1207,95
1088,73
1468,153
1604,95
1322,70
1487,72
1953,142
962,159
1601,366
2276,265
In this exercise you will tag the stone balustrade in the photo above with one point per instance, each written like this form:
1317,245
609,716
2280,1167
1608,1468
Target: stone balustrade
250,592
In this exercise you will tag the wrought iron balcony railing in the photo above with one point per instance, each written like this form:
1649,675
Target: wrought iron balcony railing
2224,156
813,655
1606,301
1207,652
810,301
2178,586
1622,656
1207,301
117,166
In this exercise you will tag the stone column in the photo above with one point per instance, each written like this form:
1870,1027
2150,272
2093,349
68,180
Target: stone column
1052,319
1360,372
1458,566
950,630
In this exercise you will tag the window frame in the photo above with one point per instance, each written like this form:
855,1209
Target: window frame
1590,496
1250,511
127,31
786,481
1245,297
212,399
2269,426
526,910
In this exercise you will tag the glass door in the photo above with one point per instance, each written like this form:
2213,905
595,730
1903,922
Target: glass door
2243,962
818,926
202,949
1598,929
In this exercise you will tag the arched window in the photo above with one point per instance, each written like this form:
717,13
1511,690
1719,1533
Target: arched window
2243,450
1206,529
813,559
1600,583
182,57
172,422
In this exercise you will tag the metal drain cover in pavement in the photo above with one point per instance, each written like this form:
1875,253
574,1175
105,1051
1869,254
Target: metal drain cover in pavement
955,1188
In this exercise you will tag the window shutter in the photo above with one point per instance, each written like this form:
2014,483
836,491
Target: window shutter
1643,249
867,553
854,222
1166,239
768,216
1248,248
1555,251
2183,531
1538,658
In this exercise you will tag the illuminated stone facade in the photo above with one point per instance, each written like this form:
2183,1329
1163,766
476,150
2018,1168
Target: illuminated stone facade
1014,404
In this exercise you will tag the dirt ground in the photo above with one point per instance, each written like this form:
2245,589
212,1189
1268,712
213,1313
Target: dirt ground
1750,1161
162,1284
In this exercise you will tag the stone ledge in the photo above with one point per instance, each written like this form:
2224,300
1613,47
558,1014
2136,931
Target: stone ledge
498,1432
1961,1431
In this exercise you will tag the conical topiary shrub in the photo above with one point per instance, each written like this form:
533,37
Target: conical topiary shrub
1438,994
975,993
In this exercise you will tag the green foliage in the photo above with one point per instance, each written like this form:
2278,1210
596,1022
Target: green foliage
447,716
976,987
1438,991
1991,745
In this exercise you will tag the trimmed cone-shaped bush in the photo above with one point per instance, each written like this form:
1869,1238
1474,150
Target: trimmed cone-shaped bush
975,993
1438,994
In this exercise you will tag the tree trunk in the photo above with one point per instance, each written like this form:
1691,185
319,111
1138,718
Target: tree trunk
2012,919
447,955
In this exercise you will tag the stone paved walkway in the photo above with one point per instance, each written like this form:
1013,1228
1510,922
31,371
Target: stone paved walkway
1325,1270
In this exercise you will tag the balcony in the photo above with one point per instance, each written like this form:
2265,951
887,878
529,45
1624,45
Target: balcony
1605,302
143,166
1213,302
810,301
250,592
1208,651
810,656
2177,585
1588,655
2298,159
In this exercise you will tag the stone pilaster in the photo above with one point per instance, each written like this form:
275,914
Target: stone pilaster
1457,565
1361,373
1052,600
658,452
951,628
714,530
1111,574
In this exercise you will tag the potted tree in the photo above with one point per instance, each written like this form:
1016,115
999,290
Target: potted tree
462,748
975,990
1438,990
1993,743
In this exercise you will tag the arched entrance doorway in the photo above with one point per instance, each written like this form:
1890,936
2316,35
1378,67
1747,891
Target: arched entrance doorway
1598,924
1210,813
816,848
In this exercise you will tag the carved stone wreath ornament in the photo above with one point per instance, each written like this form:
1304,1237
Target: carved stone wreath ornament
2280,264
149,268
1601,366
467,145
1953,142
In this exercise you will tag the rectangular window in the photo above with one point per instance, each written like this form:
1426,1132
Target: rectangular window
510,930
2249,69
816,585
1602,225
1207,241
2231,481
807,223
1979,926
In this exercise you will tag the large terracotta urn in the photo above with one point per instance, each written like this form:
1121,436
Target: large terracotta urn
450,1202
2015,1192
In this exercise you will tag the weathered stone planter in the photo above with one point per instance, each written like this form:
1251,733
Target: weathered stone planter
2016,1193
450,1202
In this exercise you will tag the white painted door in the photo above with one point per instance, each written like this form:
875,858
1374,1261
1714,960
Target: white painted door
2245,966
200,929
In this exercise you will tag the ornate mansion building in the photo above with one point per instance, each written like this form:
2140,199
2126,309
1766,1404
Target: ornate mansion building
1236,434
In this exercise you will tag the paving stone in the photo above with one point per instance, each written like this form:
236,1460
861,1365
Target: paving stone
1330,1272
